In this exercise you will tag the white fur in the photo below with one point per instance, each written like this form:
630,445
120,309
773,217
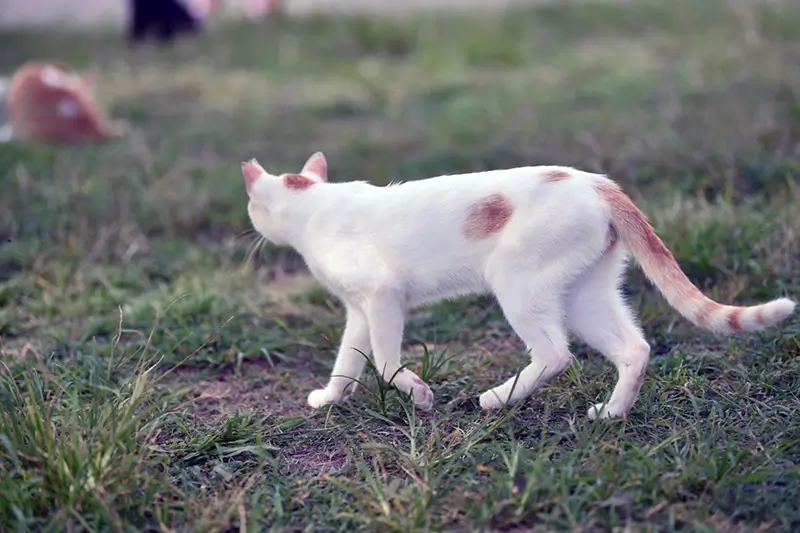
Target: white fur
385,250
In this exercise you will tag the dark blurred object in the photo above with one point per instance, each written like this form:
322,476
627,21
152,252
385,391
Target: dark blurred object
166,19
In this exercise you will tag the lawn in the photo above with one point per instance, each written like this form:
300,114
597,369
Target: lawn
155,366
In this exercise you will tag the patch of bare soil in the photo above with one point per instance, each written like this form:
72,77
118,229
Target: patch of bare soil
317,459
20,348
257,388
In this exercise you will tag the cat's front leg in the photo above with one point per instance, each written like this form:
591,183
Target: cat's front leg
353,351
386,319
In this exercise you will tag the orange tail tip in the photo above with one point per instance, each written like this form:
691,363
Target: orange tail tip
730,319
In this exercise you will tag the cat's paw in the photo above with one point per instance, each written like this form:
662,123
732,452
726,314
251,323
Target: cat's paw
423,396
409,382
602,411
320,397
490,401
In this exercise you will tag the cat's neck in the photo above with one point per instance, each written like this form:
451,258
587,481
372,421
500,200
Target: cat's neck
292,211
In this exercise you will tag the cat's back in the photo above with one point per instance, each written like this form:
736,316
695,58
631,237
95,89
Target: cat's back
562,199
563,195
522,185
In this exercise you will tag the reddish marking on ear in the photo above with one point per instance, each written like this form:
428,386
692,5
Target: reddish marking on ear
553,176
296,182
487,217
316,164
251,173
734,318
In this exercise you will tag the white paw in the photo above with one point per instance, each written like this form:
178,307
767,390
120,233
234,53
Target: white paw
423,396
601,411
491,401
321,397
407,381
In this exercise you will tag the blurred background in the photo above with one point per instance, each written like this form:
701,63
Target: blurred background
693,106
670,98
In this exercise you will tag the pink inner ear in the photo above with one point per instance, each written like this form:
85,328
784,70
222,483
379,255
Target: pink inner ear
251,173
316,164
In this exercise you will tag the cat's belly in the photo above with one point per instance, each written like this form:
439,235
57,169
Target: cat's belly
352,269
417,287
434,286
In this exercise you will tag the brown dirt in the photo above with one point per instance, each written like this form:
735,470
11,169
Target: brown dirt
258,388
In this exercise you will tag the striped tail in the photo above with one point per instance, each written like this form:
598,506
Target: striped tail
660,267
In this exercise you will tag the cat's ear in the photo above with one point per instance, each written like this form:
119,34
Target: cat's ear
316,165
251,171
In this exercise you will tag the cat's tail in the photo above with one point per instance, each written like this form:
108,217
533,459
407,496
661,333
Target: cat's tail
660,267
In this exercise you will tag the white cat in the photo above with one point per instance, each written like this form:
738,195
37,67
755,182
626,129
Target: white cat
551,243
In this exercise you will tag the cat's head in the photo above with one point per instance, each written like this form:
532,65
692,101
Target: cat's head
269,194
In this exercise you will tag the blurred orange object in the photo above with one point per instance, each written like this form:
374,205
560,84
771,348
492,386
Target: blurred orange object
47,102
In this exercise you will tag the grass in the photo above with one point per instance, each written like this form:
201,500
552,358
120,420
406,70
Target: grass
154,379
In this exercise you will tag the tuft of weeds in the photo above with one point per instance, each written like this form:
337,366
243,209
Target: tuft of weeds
76,453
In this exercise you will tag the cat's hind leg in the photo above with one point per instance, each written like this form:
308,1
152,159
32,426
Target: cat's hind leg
535,313
350,361
597,313
386,318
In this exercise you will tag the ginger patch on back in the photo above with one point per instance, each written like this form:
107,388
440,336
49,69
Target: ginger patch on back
487,217
554,176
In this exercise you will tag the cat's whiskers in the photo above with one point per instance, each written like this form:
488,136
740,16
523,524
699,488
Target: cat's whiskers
249,245
255,248
243,235
262,242
251,251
